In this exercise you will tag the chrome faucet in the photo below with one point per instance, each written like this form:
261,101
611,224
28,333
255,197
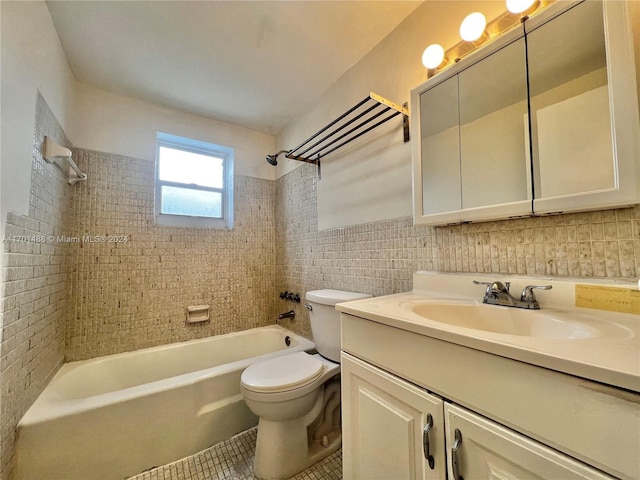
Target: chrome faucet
289,314
497,293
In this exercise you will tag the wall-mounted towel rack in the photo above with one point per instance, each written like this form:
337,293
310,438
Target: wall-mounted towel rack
53,151
366,115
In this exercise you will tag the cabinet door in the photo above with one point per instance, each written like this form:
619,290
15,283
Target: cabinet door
440,151
481,449
470,152
584,111
383,426
494,158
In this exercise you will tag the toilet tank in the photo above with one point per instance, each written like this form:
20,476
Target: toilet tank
325,319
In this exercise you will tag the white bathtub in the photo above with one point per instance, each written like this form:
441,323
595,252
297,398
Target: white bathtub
115,416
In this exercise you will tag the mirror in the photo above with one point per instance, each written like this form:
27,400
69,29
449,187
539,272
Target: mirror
570,113
440,148
473,138
493,108
487,147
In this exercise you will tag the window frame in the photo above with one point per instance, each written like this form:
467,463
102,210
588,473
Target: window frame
202,148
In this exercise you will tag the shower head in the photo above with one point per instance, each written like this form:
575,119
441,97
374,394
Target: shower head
272,159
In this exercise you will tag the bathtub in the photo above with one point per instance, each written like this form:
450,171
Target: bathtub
116,416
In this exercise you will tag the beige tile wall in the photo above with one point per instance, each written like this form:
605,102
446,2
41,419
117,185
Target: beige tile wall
133,294
380,258
35,276
103,298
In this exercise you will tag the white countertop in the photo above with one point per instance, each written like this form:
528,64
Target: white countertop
610,359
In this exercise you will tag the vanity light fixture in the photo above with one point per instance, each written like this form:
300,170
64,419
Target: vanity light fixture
433,56
523,7
475,30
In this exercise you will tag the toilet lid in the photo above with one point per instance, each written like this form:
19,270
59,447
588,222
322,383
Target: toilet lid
282,373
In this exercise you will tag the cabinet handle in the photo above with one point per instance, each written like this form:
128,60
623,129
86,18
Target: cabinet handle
454,455
425,441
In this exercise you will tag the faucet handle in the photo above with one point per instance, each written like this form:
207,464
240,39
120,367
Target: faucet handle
527,292
488,284
495,287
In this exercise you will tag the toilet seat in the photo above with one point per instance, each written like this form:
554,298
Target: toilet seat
283,373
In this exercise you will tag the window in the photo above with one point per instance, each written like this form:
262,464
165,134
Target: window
194,183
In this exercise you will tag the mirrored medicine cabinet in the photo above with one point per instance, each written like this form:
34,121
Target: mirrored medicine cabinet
542,120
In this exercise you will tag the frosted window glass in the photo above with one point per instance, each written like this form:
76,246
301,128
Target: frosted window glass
194,183
186,201
181,166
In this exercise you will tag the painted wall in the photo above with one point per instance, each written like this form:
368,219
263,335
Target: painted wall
32,59
371,179
634,9
109,122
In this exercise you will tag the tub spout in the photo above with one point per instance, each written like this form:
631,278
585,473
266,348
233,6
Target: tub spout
289,314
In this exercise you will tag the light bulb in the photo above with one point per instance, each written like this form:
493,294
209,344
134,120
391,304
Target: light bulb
472,27
522,6
433,56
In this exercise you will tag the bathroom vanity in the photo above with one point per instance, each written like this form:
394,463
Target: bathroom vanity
433,388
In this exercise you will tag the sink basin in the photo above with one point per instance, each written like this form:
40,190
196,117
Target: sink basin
517,321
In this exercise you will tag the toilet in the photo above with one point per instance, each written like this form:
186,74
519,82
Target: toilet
297,396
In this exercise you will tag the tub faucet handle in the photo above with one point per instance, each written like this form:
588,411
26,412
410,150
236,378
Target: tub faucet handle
290,314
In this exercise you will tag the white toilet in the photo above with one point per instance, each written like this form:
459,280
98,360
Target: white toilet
297,396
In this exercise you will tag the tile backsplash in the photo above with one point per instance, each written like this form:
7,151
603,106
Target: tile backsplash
380,257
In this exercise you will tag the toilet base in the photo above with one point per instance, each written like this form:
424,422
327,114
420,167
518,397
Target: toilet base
283,449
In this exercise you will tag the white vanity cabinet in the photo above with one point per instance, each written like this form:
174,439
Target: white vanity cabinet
493,418
484,449
394,430
391,430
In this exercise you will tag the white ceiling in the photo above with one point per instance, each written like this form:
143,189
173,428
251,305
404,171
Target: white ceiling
255,64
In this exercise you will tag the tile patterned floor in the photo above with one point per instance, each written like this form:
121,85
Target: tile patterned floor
233,460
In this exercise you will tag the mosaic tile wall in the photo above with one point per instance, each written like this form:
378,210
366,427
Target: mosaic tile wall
380,258
132,290
35,276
